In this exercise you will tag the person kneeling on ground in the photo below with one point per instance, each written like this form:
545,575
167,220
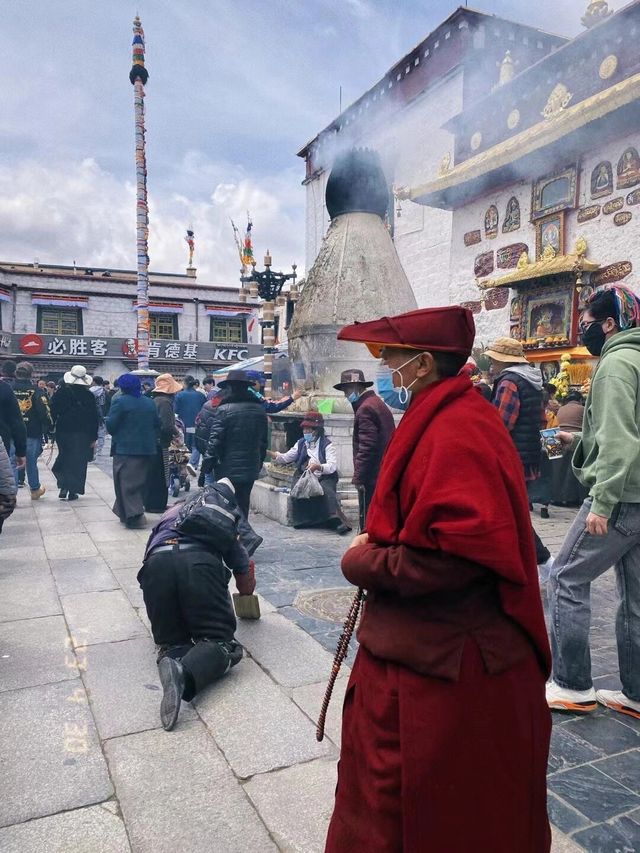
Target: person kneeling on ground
184,580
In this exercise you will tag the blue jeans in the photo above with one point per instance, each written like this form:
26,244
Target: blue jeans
583,558
34,449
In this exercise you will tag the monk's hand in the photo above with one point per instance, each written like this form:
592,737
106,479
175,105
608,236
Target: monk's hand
597,525
361,539
315,466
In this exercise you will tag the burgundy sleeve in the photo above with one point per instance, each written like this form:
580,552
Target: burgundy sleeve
407,571
368,439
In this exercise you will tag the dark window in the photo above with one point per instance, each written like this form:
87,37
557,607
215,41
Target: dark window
59,321
163,327
228,331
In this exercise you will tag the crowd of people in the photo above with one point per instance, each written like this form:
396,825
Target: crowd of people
454,675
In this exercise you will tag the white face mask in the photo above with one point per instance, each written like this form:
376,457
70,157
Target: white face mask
404,391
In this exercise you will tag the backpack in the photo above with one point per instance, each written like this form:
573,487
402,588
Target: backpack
211,517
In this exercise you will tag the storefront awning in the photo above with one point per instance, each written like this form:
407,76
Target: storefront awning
5,295
60,300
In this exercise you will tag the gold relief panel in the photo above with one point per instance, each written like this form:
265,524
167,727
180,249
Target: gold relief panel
612,206
608,67
513,119
559,100
623,218
476,141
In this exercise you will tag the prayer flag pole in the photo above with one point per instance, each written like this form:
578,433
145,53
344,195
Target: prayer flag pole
138,77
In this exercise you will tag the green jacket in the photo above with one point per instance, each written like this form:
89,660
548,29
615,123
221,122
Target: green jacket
607,456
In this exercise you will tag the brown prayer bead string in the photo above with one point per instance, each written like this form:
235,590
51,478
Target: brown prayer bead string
340,655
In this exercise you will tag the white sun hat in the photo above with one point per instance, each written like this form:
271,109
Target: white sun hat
77,376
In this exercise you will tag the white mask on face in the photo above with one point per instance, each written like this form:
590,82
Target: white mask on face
404,391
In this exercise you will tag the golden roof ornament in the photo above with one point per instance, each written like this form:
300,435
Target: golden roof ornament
523,261
580,248
597,11
559,100
507,69
445,164
548,254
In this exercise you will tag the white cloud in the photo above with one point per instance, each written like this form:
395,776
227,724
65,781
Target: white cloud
59,213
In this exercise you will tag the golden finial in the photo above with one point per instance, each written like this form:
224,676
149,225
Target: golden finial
507,69
597,11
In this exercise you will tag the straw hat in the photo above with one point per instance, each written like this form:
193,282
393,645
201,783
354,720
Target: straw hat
507,350
166,384
77,376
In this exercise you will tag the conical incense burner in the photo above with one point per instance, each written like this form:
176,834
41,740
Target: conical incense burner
357,276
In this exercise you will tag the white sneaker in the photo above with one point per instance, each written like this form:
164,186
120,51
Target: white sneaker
191,470
577,701
544,569
617,701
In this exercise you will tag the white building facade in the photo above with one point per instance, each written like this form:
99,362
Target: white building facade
57,316
403,117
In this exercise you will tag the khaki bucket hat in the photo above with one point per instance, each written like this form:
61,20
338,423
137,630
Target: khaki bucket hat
507,350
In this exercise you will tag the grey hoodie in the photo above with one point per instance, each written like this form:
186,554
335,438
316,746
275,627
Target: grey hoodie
527,371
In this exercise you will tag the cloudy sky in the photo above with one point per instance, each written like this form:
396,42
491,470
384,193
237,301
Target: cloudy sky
236,88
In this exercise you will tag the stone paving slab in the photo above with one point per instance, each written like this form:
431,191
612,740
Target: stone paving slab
127,578
177,794
17,558
122,555
35,651
101,617
90,830
84,574
107,531
28,596
52,523
61,545
124,688
257,727
51,757
288,654
296,804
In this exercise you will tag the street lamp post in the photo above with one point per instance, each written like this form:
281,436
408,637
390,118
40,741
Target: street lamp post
267,285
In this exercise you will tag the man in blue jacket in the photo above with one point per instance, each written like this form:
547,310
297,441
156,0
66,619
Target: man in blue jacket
187,406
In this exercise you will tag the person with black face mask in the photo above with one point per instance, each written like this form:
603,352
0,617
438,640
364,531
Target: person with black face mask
606,531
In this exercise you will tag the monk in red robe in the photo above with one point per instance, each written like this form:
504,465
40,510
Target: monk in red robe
445,726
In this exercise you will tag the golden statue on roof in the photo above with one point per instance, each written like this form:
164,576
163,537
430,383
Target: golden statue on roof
597,11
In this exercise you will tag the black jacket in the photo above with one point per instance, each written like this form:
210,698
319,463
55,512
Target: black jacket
164,407
12,428
526,432
34,406
238,438
74,410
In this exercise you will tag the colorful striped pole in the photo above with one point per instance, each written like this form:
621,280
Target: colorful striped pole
138,77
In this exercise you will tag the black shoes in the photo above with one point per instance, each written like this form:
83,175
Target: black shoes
172,680
62,494
137,522
544,512
342,529
72,497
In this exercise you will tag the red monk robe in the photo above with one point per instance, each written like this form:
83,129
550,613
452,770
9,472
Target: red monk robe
445,728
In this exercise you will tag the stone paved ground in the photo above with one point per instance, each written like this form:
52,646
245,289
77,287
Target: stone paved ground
86,767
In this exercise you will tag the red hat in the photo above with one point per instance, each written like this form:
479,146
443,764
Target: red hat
448,329
313,420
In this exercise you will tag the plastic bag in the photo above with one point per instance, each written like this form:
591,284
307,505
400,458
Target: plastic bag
308,486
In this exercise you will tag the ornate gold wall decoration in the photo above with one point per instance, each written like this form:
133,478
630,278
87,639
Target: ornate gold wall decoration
608,67
476,141
623,218
559,100
513,119
445,164
507,69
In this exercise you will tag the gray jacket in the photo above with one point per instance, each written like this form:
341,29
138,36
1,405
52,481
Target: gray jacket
7,480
